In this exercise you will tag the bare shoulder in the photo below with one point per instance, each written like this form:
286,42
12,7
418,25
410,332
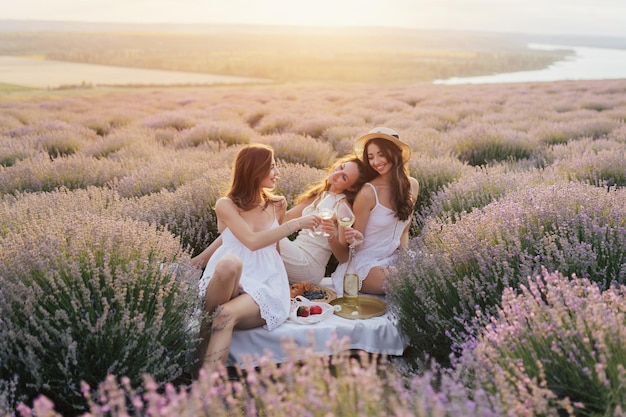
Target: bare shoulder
224,201
366,196
225,204
367,189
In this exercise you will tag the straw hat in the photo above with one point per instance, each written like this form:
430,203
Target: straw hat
382,133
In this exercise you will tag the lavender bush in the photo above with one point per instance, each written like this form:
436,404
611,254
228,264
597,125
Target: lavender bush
222,132
108,120
186,212
487,144
599,162
165,170
476,189
56,137
466,265
84,296
433,174
563,337
12,151
176,119
339,385
123,138
42,174
301,149
295,178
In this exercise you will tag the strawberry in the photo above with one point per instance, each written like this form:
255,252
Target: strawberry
315,309
303,311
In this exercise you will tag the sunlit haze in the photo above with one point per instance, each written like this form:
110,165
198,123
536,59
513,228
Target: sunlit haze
574,17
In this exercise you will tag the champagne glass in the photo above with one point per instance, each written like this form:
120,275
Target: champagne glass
326,209
345,218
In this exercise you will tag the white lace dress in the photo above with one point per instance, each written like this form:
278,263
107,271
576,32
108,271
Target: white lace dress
306,257
263,277
381,239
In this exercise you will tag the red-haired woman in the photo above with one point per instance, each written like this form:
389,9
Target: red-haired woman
244,284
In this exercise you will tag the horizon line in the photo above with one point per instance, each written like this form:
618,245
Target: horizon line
299,26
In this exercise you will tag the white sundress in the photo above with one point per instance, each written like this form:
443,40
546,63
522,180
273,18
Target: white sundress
263,277
382,238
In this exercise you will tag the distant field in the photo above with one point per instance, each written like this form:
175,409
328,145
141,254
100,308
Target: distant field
288,55
39,73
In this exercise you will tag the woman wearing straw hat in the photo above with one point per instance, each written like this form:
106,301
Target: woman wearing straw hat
383,209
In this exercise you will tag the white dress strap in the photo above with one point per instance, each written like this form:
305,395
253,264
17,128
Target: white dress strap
375,193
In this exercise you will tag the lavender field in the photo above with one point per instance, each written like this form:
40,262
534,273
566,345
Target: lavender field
514,304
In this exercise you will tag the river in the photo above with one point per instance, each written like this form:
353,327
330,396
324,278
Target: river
587,64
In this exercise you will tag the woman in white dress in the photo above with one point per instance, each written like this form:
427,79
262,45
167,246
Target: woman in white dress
306,256
244,284
383,209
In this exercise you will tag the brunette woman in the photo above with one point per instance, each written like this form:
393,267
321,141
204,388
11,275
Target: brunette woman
383,208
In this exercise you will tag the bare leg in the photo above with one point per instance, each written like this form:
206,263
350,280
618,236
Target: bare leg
373,283
240,312
223,286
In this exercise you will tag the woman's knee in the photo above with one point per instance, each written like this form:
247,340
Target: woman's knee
229,266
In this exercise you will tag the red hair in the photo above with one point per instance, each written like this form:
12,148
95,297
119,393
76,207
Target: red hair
252,164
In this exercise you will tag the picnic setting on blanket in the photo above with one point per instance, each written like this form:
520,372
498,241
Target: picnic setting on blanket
372,329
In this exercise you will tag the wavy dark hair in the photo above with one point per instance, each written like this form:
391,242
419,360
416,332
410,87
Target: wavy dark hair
400,183
252,164
324,185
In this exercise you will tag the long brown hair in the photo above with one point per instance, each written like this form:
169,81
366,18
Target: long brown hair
400,183
324,185
252,164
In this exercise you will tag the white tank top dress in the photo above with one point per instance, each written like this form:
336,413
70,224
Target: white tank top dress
381,239
263,277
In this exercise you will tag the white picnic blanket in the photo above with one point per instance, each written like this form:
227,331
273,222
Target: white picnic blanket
375,335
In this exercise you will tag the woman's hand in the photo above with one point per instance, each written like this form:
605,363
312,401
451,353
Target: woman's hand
197,262
308,222
329,227
353,236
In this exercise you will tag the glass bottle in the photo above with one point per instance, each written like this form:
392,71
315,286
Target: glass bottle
351,283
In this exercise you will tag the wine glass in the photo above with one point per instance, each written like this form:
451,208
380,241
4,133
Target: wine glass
345,218
312,209
326,209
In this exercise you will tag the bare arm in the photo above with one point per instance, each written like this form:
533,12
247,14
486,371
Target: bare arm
296,211
200,261
228,216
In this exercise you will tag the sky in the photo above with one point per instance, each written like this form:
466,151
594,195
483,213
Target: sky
568,17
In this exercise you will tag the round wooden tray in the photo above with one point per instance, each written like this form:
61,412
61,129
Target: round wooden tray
367,307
